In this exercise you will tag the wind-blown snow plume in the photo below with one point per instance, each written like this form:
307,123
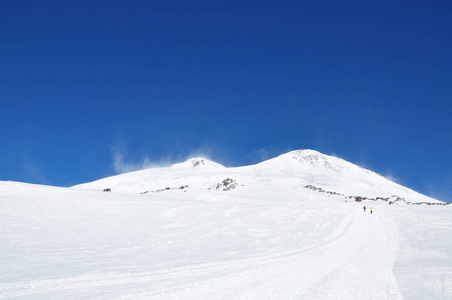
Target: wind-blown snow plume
120,165
34,172
123,165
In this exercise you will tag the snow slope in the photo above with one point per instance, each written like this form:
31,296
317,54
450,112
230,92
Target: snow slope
298,168
267,238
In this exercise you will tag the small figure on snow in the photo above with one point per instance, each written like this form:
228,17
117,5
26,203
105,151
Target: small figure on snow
371,211
364,209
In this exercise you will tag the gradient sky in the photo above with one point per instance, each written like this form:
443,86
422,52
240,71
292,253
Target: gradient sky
89,89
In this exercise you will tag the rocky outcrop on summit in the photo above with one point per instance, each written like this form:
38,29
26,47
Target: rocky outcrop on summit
198,163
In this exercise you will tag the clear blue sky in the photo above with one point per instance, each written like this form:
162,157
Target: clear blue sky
92,88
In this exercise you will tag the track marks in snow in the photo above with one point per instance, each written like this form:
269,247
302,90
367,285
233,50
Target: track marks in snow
354,261
252,250
359,262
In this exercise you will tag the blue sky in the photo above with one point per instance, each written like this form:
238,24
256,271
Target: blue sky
92,88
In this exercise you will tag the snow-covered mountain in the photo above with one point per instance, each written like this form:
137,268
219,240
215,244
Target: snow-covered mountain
293,170
287,228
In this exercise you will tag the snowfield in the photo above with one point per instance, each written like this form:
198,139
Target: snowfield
163,234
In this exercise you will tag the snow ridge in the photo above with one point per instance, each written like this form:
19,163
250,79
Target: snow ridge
290,170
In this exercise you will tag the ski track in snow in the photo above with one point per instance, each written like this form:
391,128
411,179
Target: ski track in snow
348,254
353,262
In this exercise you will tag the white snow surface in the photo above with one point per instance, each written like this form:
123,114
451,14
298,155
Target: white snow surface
163,234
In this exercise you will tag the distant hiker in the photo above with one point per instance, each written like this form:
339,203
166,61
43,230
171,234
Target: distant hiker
371,211
364,209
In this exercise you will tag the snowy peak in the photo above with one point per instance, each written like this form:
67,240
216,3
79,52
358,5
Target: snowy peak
310,157
198,163
306,160
314,161
307,169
